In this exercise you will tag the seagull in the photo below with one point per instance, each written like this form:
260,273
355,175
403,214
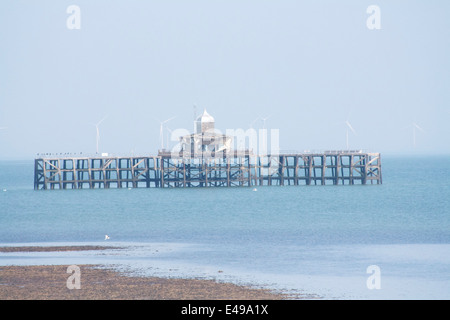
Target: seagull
255,189
106,237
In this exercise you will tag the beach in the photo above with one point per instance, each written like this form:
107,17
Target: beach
98,282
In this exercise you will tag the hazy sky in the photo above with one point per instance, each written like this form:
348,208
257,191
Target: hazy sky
311,65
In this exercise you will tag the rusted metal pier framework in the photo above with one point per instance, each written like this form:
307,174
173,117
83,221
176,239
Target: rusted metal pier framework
208,170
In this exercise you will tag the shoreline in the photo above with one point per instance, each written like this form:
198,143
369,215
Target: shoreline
55,248
100,282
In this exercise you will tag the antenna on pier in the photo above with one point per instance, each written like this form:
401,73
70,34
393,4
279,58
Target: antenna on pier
195,115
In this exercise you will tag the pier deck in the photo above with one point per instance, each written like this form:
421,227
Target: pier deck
226,170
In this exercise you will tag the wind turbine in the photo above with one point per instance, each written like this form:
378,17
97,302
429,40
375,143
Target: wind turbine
264,121
98,131
167,138
161,131
251,123
415,126
349,126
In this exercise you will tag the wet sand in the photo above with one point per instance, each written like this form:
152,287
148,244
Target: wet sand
100,283
53,248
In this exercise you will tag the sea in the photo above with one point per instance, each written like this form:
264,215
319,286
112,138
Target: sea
388,241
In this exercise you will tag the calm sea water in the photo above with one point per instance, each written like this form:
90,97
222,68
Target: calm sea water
310,239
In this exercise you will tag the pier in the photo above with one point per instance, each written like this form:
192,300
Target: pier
207,158
225,169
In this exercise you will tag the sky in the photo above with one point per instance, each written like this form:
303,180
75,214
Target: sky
307,66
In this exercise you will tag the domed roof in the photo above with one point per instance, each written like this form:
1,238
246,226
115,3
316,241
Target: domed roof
205,117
